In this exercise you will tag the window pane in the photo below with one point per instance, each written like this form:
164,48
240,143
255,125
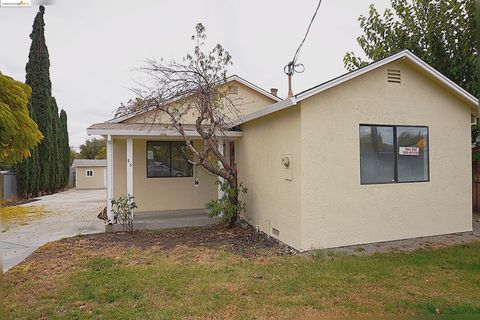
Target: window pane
158,159
412,154
377,161
180,166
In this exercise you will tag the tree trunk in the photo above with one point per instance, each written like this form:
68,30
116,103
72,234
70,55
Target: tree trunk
233,199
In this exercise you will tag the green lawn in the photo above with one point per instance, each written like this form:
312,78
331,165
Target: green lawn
76,280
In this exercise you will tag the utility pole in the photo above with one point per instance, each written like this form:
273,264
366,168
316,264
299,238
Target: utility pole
289,73
293,66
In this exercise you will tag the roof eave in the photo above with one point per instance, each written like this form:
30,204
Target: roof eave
405,54
166,133
283,104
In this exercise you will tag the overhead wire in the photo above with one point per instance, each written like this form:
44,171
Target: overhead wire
290,67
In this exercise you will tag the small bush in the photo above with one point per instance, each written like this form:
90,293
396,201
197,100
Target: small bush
123,211
229,207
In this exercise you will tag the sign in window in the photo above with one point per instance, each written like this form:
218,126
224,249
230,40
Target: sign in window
391,154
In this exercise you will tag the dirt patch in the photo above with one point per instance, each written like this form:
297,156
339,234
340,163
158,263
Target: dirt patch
244,242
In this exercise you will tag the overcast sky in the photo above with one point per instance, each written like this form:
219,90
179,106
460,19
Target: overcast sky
95,46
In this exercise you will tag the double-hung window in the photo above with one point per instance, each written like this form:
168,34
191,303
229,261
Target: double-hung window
168,159
393,154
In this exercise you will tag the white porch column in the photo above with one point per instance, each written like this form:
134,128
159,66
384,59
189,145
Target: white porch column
220,192
130,166
109,178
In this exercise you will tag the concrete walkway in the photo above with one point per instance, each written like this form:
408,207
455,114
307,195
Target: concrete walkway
69,213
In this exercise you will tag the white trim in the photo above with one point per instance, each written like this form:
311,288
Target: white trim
109,178
154,132
220,149
405,54
104,177
253,87
231,78
130,166
86,173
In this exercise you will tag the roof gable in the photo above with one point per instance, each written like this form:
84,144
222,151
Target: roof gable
405,54
417,62
233,78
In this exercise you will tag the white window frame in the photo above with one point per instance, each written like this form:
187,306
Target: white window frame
89,170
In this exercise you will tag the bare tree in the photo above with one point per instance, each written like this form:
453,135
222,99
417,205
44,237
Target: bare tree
194,93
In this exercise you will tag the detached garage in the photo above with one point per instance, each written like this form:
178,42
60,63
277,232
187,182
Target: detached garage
90,174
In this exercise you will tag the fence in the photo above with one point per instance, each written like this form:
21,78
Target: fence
8,185
476,187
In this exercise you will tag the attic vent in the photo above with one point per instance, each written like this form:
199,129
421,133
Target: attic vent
275,232
233,90
394,76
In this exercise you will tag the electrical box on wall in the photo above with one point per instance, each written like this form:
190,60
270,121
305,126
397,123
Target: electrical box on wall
287,166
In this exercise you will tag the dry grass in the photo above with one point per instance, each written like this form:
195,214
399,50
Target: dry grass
80,278
20,215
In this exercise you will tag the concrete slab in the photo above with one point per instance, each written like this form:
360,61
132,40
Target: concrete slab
157,220
69,213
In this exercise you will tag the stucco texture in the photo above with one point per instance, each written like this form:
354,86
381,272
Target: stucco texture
273,200
337,209
97,181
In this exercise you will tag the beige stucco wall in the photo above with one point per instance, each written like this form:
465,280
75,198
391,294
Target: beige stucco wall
154,194
95,182
273,198
247,101
337,210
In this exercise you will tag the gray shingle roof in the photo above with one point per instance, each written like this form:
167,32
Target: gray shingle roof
89,163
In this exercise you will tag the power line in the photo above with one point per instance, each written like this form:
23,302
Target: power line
292,66
294,60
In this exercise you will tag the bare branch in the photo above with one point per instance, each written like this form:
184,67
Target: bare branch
192,92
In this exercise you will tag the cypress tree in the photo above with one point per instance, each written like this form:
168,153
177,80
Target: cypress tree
64,148
44,171
38,78
21,169
56,164
33,174
27,171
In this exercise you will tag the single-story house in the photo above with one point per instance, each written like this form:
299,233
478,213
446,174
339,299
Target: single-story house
381,153
90,173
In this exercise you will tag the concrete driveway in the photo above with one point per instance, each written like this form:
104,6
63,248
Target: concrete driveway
69,213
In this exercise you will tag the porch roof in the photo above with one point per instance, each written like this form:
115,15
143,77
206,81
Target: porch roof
149,130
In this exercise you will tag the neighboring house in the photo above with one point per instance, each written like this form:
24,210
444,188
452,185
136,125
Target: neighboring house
90,173
378,154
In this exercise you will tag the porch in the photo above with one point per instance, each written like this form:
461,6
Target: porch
144,161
